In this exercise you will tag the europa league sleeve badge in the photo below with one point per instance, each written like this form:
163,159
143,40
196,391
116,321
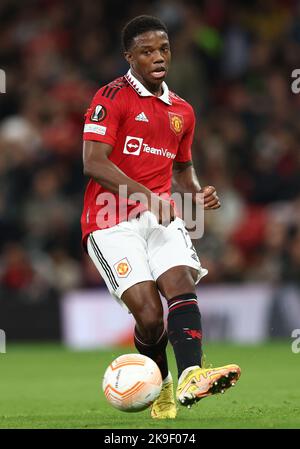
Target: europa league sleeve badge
99,113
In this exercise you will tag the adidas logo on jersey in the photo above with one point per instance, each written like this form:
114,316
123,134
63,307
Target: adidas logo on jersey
141,117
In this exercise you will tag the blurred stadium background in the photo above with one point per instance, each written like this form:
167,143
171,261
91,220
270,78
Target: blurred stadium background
233,63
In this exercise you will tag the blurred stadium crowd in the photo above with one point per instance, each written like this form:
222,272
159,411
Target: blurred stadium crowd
232,62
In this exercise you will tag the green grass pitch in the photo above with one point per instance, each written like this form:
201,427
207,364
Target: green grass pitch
48,386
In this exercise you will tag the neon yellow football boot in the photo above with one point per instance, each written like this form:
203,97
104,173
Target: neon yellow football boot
196,383
165,407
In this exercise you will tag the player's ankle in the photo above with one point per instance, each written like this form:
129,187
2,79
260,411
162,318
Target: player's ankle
186,371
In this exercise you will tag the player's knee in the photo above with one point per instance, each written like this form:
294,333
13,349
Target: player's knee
150,325
185,283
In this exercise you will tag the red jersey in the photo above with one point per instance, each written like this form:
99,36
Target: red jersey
147,133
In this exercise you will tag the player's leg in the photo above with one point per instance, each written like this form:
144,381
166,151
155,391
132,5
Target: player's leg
177,285
177,269
151,339
150,336
129,280
185,334
119,255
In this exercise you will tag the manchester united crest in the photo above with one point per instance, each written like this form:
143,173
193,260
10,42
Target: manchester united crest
176,122
122,268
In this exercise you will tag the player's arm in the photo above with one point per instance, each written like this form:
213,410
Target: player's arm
186,180
98,166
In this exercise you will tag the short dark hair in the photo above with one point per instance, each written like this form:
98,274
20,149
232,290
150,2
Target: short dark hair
140,25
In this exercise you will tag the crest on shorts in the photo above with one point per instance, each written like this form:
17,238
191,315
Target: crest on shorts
123,268
176,122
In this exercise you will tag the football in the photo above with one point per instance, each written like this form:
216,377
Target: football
132,382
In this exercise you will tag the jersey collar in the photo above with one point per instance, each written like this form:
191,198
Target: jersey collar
143,92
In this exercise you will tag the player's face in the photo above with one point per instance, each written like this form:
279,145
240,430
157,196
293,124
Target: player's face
149,58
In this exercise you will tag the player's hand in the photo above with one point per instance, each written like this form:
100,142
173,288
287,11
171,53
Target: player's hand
163,210
210,197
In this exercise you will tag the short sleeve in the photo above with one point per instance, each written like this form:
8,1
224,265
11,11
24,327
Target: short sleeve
102,118
184,152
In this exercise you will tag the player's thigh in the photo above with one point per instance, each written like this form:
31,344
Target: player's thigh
172,256
120,256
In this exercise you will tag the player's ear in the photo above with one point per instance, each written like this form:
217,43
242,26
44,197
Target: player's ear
128,57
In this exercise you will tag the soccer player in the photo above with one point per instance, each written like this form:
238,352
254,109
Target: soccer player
137,135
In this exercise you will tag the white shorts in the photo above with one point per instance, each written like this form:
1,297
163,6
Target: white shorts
141,250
